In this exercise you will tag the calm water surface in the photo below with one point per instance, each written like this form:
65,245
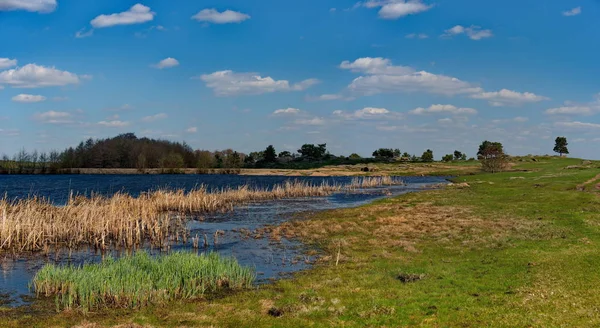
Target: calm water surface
271,260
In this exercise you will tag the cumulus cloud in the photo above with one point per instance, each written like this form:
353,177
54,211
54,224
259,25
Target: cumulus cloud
230,83
7,63
113,124
137,14
286,111
216,17
152,118
573,12
192,130
34,76
381,76
508,97
445,109
25,98
167,63
473,32
53,117
394,9
40,6
367,113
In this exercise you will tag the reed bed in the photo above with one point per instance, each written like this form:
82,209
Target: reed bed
374,182
157,217
139,280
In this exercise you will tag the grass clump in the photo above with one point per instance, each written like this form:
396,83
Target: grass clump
139,280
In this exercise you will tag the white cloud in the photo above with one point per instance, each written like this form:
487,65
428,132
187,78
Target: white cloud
368,113
160,116
113,124
229,83
7,63
473,32
570,110
137,14
25,98
573,12
378,65
311,121
34,76
216,17
436,109
41,6
576,125
286,111
192,130
508,97
330,97
381,76
417,36
167,63
53,117
84,34
394,9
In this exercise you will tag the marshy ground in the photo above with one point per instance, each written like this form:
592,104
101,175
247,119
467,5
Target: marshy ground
514,249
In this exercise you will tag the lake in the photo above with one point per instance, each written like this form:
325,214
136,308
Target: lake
271,260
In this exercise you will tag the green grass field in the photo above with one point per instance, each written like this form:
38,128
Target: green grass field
514,249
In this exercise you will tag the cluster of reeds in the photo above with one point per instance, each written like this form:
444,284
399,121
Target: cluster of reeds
138,280
375,181
121,220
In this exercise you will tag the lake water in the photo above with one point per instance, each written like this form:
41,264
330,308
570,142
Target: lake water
271,260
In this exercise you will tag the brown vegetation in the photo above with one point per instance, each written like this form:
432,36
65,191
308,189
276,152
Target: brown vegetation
36,224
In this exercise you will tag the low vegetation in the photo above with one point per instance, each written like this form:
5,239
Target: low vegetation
158,217
140,280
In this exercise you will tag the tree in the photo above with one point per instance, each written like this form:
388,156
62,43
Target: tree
310,151
560,146
354,156
270,155
382,153
427,156
492,157
448,158
285,154
458,155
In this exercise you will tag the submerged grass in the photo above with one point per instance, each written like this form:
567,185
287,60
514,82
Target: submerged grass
140,280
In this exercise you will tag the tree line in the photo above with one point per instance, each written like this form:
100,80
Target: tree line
129,151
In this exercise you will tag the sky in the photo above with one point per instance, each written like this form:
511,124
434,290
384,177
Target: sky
409,74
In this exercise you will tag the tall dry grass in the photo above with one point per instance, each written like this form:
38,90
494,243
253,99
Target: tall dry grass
158,217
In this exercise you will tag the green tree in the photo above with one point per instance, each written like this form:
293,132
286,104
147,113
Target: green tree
458,155
560,146
492,156
270,155
448,158
427,156
383,153
172,161
313,152
354,156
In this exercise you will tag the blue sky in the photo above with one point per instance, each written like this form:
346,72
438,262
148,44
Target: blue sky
412,74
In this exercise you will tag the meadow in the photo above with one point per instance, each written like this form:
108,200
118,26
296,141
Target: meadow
512,249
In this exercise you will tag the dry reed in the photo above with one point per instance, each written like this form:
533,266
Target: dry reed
157,217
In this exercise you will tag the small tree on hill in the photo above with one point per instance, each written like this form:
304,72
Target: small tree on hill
492,157
427,156
354,156
560,146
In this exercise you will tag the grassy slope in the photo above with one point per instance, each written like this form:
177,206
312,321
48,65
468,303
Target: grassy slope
506,252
